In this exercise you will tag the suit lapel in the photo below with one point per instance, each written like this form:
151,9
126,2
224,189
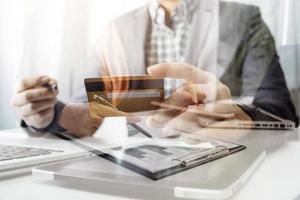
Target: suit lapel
230,37
199,31
135,32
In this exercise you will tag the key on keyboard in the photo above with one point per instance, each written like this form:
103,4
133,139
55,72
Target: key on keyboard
9,152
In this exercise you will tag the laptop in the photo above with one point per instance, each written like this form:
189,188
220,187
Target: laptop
21,150
219,179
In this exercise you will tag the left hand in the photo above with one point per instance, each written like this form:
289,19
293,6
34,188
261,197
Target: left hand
190,122
201,88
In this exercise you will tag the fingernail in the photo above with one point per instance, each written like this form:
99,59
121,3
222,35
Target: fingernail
152,69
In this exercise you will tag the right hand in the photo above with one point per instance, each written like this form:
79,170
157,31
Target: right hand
200,87
34,103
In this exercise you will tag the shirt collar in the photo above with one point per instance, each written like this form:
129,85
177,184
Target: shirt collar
182,13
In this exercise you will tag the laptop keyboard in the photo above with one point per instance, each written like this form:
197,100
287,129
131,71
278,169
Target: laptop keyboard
9,152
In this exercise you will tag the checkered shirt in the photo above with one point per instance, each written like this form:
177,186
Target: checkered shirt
169,44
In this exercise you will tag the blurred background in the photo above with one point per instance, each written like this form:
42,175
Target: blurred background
55,37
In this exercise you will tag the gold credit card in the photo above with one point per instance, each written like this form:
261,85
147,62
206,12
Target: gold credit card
126,93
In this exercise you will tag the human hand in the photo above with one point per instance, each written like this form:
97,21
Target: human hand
191,122
34,103
200,87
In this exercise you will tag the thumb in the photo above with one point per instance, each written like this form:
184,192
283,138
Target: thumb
33,81
180,71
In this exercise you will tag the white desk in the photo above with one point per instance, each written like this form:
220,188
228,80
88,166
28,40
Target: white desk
277,178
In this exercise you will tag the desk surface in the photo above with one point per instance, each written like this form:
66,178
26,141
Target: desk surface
278,177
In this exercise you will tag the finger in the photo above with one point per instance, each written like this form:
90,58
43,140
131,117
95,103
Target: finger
223,111
33,95
205,93
208,92
221,108
223,92
34,108
210,111
51,85
180,99
206,122
197,92
180,71
52,81
33,81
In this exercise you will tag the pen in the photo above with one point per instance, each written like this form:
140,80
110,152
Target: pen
144,132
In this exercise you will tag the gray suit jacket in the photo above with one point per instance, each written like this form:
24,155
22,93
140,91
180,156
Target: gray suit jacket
244,52
246,55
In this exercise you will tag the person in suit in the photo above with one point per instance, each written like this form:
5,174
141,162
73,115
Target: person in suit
222,50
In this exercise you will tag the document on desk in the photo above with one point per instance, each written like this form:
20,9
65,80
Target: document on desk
159,158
